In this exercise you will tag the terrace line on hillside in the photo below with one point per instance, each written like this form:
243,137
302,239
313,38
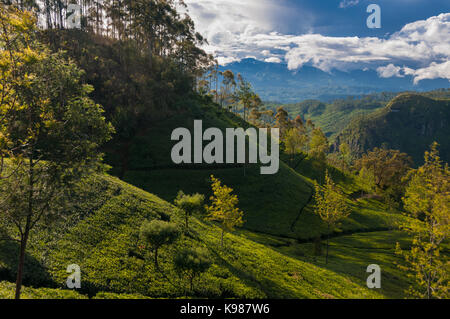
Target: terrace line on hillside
214,151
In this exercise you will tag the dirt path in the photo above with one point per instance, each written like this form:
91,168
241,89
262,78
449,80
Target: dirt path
302,209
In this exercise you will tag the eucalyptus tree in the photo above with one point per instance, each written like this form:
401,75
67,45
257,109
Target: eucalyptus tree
50,130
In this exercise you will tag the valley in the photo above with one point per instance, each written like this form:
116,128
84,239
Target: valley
123,152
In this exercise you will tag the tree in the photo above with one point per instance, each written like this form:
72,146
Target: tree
388,168
227,90
330,205
192,262
427,199
190,204
342,159
52,130
158,233
282,120
318,145
346,156
246,96
294,142
224,207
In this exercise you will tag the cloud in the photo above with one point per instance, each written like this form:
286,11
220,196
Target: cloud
348,3
417,45
273,60
226,60
434,71
237,29
233,27
389,71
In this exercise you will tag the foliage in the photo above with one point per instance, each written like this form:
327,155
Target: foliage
333,117
427,198
224,207
318,145
52,131
7,292
104,244
330,205
384,171
408,123
282,120
192,262
387,166
190,204
157,233
294,142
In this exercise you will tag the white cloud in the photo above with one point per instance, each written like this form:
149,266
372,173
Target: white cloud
233,27
237,29
273,60
434,71
417,45
226,60
389,71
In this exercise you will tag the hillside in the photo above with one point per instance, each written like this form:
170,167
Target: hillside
333,117
277,204
89,187
102,233
409,123
103,241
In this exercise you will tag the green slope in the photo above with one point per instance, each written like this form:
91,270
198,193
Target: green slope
334,116
277,204
271,202
409,123
103,241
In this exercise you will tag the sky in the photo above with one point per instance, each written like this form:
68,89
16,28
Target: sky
414,38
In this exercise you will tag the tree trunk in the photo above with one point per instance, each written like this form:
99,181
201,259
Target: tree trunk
23,246
26,233
328,244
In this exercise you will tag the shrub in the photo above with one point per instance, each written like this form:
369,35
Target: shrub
158,233
192,262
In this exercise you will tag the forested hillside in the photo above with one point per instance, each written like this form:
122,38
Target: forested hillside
334,116
409,123
87,178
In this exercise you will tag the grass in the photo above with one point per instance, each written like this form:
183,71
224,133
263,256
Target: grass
7,290
104,242
266,259
351,255
271,202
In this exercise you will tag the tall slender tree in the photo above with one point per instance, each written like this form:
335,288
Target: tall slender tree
53,129
427,199
330,205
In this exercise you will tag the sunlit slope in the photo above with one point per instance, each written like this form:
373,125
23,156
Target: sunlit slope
105,245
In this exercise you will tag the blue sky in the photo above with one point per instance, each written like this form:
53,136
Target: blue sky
348,17
330,34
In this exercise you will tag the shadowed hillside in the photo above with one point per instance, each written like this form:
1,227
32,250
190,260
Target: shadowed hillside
409,123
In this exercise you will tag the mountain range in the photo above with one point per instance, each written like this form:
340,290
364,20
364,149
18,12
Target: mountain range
275,82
